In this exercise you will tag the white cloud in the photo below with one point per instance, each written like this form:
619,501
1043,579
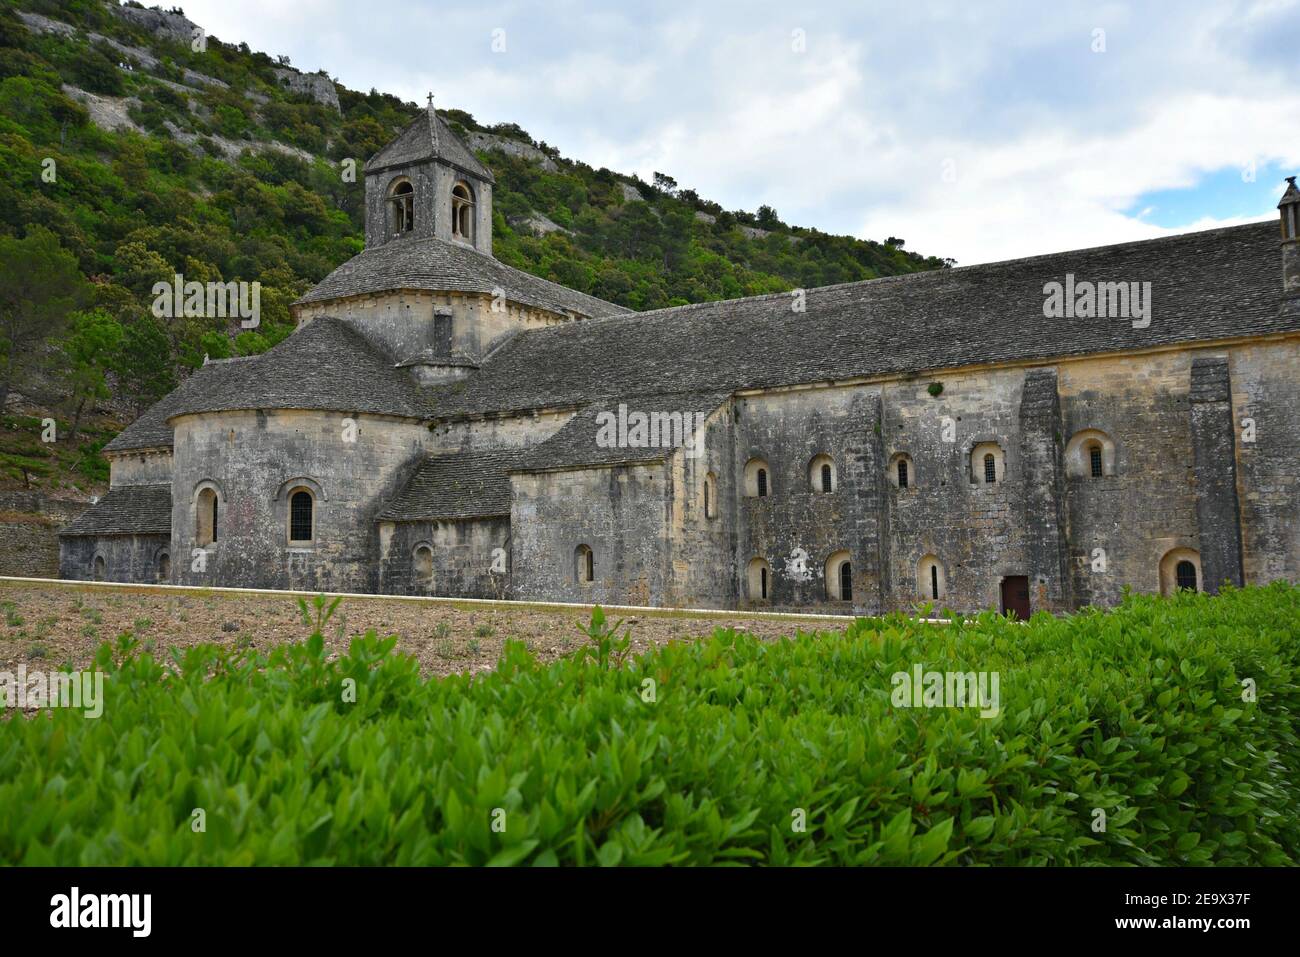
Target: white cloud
1051,142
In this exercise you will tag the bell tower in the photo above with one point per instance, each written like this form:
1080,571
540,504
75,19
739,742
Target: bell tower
427,184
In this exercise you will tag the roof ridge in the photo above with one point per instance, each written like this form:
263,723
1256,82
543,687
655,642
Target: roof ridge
918,276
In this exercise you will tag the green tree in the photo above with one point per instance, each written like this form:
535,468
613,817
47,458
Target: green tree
91,347
143,366
40,285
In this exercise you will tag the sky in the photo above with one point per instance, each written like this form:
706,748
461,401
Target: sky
978,131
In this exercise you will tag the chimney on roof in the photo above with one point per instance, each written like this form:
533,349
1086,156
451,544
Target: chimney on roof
1290,207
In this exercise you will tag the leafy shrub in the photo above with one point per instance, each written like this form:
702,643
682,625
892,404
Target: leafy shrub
1138,712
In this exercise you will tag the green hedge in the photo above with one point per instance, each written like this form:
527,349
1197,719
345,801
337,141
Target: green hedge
1138,712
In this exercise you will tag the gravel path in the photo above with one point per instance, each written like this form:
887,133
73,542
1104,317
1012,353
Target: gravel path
52,625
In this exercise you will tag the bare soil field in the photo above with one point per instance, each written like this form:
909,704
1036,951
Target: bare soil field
63,624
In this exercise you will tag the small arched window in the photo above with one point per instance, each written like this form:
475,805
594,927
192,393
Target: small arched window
987,464
1180,569
402,203
99,568
584,564
423,566
839,577
902,473
206,515
759,579
821,474
302,517
930,583
757,484
462,212
762,483
1090,454
710,496
164,567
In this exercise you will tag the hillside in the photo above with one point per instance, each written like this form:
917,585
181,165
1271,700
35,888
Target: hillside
129,156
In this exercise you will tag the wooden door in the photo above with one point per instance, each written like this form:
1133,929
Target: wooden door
1015,596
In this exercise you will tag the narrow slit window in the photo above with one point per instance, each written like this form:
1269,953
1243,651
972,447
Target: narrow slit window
826,478
1094,461
902,475
934,581
762,483
763,579
990,469
846,582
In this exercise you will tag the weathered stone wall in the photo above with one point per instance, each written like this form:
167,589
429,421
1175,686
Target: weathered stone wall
253,458
401,324
1266,391
1214,456
797,527
127,558
1148,506
701,550
471,559
432,183
1044,514
973,529
505,432
29,526
619,512
149,467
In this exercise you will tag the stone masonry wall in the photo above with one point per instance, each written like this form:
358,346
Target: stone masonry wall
401,324
797,526
702,549
1148,506
1266,403
619,512
127,558
1215,458
471,559
252,457
29,526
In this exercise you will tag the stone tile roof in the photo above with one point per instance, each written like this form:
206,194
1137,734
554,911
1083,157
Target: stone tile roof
433,264
325,365
580,441
1206,285
428,137
151,430
456,485
127,510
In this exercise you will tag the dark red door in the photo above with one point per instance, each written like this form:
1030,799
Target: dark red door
1015,596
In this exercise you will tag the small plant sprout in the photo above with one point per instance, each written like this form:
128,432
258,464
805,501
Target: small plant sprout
605,646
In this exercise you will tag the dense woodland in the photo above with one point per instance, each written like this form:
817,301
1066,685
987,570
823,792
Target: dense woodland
242,181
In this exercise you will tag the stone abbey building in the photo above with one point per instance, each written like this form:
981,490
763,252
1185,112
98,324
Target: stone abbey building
1025,435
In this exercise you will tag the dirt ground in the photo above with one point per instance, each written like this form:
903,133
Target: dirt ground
56,625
